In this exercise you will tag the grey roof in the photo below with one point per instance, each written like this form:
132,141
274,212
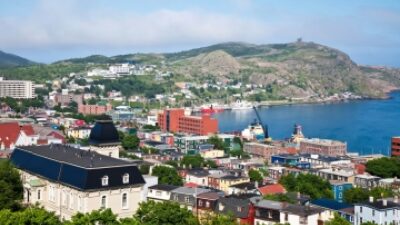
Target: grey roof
189,191
163,187
198,172
302,210
268,204
232,205
379,204
74,156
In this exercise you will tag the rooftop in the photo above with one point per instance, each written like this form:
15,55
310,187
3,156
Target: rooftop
74,156
163,187
104,133
330,204
325,142
301,210
379,204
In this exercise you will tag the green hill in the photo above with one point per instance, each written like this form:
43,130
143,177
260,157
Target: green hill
10,60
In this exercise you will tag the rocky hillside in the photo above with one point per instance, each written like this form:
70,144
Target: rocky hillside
10,60
297,69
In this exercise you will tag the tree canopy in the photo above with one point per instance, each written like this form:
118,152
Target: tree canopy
11,189
338,220
217,142
384,167
307,184
130,142
255,175
358,194
167,175
196,161
31,215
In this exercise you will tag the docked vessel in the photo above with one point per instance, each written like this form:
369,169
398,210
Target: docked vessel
213,108
240,105
254,132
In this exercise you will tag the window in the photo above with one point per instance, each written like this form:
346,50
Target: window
340,195
124,200
80,203
360,209
239,209
64,198
200,203
187,199
125,178
373,212
269,214
104,181
158,193
39,194
286,216
103,202
71,201
207,204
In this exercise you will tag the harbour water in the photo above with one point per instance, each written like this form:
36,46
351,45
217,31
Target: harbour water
366,125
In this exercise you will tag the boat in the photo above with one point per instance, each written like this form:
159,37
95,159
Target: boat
240,105
254,132
211,109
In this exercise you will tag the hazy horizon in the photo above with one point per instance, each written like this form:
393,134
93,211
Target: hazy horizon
50,30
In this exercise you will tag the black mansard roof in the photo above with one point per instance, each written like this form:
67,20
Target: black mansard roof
74,167
104,133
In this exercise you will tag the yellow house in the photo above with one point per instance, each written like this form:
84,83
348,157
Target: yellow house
226,181
212,153
79,132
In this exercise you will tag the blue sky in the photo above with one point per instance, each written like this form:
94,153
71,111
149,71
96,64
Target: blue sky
50,30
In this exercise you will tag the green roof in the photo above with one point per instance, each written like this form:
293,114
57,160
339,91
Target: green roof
37,183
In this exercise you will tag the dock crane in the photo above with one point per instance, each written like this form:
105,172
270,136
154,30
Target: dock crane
264,127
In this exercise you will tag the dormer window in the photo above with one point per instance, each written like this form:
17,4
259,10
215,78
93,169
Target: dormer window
104,181
125,179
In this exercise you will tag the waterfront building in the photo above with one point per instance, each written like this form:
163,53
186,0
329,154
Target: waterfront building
94,109
395,147
68,180
104,138
262,150
381,212
175,120
187,143
20,89
323,147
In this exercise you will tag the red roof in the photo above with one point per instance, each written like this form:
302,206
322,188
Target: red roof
28,130
272,189
191,185
9,133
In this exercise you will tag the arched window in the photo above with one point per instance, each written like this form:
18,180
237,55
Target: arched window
125,178
104,181
39,194
124,200
103,202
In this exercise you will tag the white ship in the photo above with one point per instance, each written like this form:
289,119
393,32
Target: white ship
240,105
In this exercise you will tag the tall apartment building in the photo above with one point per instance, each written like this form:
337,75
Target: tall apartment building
323,147
395,150
20,89
175,120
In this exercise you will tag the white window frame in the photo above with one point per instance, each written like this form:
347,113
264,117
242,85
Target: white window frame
126,206
103,206
39,195
104,181
125,178
71,200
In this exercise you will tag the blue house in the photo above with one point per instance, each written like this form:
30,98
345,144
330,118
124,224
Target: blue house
285,159
338,189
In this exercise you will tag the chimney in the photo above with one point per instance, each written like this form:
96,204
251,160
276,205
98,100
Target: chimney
384,202
371,199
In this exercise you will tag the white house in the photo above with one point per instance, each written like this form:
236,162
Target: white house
160,192
381,212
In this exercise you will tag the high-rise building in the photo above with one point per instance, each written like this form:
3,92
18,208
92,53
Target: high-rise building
175,120
395,146
20,89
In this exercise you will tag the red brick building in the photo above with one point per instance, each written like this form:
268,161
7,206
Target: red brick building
94,109
323,147
175,120
395,146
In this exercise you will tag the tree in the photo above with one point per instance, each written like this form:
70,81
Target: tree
165,213
10,186
144,169
384,167
167,175
31,215
280,198
338,220
93,218
369,223
357,194
218,219
255,175
217,142
308,184
130,142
